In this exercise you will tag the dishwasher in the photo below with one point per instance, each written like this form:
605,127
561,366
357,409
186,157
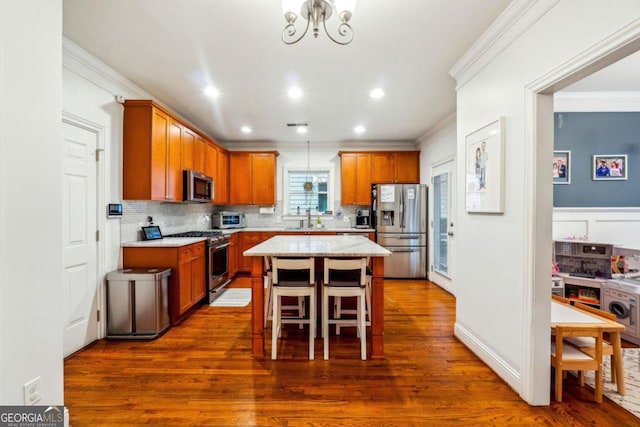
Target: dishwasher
137,303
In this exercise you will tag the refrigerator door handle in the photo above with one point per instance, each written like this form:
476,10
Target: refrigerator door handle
404,250
401,207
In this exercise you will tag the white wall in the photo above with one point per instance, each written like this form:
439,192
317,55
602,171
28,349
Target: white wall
438,146
31,320
497,267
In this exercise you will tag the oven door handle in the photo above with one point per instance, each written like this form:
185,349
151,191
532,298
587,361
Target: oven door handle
214,248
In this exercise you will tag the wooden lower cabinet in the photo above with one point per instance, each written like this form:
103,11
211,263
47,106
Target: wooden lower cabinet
187,283
233,254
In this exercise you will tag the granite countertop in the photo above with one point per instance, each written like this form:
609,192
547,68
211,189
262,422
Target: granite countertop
171,242
320,246
166,242
301,230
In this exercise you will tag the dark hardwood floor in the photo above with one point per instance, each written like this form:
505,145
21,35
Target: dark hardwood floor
201,373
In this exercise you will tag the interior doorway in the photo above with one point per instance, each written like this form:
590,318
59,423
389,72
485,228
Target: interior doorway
539,143
442,226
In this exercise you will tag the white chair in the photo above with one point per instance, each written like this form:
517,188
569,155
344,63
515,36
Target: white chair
345,278
293,277
268,305
338,311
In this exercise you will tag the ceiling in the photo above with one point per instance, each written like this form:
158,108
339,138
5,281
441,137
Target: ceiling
173,50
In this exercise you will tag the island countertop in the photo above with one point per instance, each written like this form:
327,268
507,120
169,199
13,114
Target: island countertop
318,246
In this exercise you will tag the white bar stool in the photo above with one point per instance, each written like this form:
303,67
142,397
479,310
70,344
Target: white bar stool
345,278
294,277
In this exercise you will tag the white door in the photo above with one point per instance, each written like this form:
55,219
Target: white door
442,226
79,246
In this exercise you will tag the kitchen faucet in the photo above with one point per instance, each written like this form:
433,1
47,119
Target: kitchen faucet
309,224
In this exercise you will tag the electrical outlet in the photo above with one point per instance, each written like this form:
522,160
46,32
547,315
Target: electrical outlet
278,219
32,391
346,219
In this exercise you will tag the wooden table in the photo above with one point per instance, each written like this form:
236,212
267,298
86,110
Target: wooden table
569,316
318,247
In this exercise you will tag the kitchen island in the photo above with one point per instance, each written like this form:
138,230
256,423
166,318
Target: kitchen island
318,247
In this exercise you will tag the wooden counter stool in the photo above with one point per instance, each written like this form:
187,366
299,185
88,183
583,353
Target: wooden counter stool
268,303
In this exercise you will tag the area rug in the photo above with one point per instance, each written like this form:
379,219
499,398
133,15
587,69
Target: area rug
631,401
233,297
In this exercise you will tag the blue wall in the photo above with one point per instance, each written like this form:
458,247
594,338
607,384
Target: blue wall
586,134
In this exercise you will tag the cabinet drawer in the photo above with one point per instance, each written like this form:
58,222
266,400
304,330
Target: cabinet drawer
187,253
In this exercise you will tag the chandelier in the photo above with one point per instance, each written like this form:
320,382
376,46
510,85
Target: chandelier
318,12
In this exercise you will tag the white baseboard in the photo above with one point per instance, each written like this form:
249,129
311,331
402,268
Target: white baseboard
510,375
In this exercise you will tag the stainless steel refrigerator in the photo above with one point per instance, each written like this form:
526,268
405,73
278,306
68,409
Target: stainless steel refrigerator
399,216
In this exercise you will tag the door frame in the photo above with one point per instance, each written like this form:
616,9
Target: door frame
99,131
446,282
538,203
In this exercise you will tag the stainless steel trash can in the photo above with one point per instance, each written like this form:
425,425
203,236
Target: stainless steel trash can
137,303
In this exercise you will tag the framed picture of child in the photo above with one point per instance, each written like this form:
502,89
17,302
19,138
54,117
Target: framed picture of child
562,167
610,167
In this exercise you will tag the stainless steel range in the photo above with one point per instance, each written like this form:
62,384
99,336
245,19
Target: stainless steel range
217,260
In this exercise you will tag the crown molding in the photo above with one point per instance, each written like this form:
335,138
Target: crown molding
596,101
519,16
443,126
82,63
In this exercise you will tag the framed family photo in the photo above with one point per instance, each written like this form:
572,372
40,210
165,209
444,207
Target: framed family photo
609,167
562,167
484,169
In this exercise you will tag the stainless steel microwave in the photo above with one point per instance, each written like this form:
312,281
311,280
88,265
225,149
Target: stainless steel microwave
196,187
228,219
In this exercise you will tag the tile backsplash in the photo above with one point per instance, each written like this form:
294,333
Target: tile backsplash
179,217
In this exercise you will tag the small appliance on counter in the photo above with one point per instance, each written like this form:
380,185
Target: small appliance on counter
228,219
362,218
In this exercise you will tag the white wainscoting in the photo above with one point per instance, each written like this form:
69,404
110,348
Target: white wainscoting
619,226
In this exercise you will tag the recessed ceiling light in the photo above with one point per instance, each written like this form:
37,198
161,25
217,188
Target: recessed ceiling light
245,129
359,129
295,92
376,93
212,91
302,129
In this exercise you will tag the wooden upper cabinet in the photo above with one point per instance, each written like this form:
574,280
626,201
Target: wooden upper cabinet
199,154
383,167
222,178
187,145
151,154
211,163
252,178
240,178
402,167
355,178
263,186
157,147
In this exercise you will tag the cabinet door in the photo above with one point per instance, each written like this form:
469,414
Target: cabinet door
187,146
247,241
348,178
222,174
174,171
199,153
159,159
198,274
185,273
211,165
407,167
240,178
234,249
382,167
363,179
263,185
